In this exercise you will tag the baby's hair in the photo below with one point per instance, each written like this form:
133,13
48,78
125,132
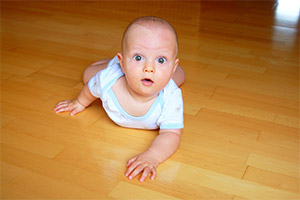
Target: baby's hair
148,21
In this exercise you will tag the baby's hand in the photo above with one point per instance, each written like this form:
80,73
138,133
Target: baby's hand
144,162
72,106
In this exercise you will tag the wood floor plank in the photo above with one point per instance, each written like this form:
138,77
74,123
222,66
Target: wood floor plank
8,193
248,122
279,139
5,119
274,165
276,180
14,70
47,187
9,172
31,144
276,151
286,120
25,61
257,101
54,172
234,186
117,193
27,87
52,134
42,111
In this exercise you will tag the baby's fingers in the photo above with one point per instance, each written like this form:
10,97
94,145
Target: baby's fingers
131,161
62,104
146,171
136,171
63,107
131,168
153,171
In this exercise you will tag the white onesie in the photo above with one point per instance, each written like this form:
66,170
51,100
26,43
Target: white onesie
165,113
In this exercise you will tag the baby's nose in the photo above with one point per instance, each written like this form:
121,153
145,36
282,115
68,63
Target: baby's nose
149,68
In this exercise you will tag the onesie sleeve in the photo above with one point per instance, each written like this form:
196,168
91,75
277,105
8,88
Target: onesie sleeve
105,78
95,85
172,111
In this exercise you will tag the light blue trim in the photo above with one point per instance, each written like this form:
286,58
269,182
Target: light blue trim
116,102
91,91
172,126
173,82
161,100
110,84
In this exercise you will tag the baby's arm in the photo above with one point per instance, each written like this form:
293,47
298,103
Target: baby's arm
164,145
75,106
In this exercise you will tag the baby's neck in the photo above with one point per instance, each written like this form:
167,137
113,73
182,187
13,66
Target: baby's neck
134,104
140,98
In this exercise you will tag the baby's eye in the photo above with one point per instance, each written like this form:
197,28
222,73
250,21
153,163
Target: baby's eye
161,60
137,57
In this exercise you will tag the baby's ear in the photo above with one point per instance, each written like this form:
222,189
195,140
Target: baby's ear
120,57
176,65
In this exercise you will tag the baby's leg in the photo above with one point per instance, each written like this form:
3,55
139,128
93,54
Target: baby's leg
179,76
94,68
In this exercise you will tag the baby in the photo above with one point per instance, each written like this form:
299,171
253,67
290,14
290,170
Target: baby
139,89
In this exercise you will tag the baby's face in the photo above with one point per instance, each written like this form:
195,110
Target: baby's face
148,59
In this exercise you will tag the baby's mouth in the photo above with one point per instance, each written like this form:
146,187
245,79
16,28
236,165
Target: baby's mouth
147,82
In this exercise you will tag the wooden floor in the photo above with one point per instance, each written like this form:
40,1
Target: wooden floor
241,102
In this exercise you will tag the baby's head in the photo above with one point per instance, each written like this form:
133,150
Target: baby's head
150,22
149,55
